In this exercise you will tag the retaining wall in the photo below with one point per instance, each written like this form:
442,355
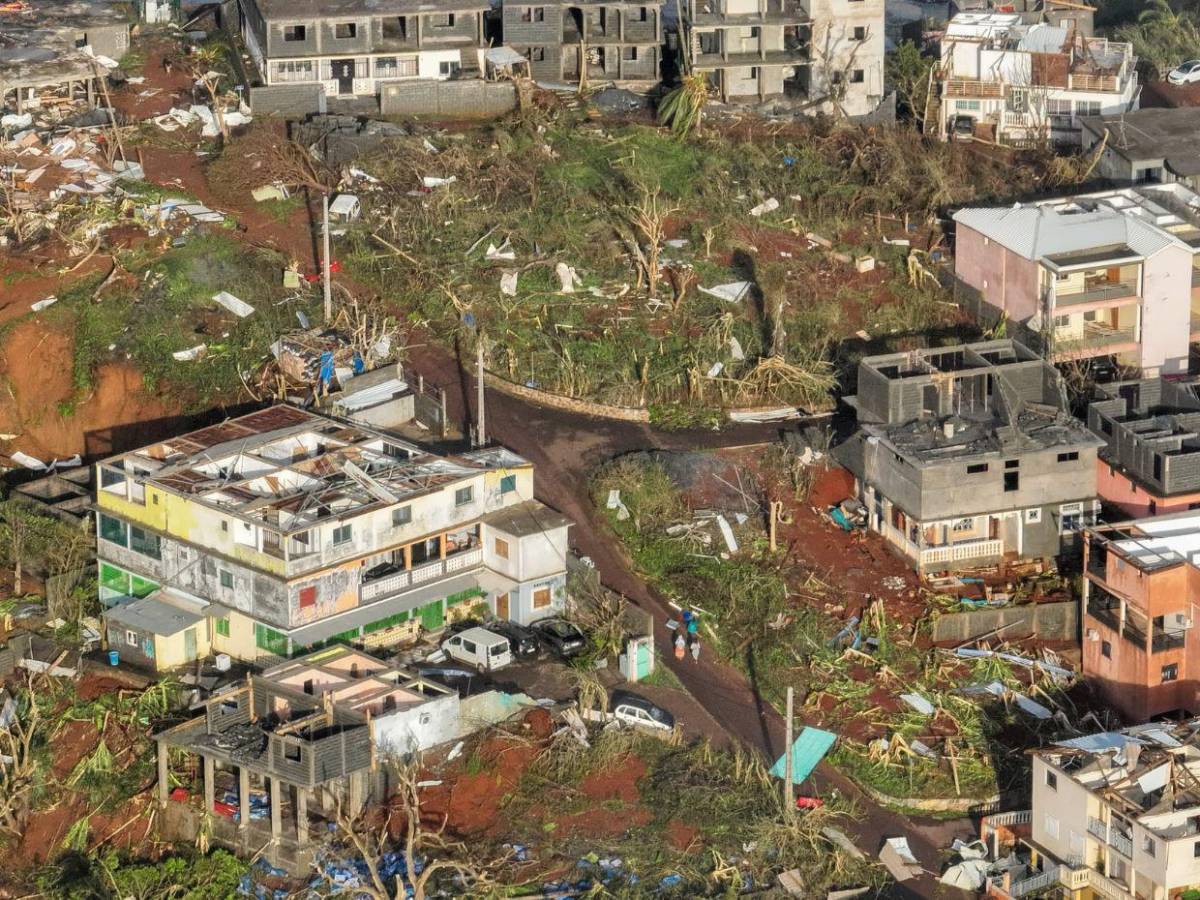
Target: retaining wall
470,98
1050,621
287,100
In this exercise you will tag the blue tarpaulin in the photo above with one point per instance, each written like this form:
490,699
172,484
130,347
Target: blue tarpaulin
808,750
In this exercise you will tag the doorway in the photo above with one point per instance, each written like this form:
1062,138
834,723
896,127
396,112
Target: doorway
343,71
502,606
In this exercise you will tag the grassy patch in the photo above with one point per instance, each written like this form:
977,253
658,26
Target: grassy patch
575,193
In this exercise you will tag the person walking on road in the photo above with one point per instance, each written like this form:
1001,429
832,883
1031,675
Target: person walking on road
696,650
680,646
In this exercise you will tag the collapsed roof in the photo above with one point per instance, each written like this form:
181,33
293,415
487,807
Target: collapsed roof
291,469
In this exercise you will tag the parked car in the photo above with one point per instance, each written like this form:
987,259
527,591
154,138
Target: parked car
563,638
962,128
521,640
1185,72
638,711
478,647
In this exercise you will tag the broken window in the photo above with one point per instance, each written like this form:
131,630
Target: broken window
343,30
293,33
394,28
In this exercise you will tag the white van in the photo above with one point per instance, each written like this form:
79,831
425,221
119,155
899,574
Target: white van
478,647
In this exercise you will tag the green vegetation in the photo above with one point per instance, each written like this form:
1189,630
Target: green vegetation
765,615
607,200
78,876
1162,36
171,309
709,817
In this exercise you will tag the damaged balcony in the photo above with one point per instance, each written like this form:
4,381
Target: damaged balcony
1080,334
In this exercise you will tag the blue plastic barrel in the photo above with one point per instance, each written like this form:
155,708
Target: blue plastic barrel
113,657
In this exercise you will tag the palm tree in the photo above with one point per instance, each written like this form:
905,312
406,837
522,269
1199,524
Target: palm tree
683,107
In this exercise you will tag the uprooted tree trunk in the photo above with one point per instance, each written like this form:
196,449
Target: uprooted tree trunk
370,836
18,765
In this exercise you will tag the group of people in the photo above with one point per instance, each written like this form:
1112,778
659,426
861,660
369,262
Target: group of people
687,635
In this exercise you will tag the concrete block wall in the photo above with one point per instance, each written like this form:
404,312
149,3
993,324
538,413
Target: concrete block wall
287,100
468,98
1048,621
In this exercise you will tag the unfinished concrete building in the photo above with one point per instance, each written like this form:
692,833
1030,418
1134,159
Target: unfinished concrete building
826,55
351,48
1150,463
966,456
284,530
598,42
49,51
291,746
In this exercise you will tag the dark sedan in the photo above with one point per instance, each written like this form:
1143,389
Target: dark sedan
563,638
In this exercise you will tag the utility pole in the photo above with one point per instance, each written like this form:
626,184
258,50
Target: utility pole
789,805
480,430
325,259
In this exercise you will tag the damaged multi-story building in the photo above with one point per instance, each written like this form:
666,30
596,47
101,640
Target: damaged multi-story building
271,762
1112,275
825,55
1150,464
353,48
1009,82
59,50
285,529
1113,815
1139,595
589,42
967,456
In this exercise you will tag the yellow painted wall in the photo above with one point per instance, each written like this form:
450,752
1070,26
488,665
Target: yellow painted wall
169,649
189,521
240,643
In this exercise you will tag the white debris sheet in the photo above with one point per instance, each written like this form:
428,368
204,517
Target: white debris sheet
615,502
731,292
239,308
191,354
768,205
919,703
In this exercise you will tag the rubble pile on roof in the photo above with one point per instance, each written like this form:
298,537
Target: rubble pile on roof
1148,772
290,469
40,44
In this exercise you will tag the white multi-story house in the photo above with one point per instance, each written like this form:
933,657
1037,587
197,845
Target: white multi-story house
353,48
1009,82
827,54
1114,815
284,530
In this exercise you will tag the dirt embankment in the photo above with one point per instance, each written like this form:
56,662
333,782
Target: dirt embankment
37,391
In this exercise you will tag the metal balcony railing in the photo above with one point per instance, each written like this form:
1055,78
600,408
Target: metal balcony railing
1112,291
393,584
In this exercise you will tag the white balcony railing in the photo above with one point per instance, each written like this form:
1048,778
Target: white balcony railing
932,556
394,584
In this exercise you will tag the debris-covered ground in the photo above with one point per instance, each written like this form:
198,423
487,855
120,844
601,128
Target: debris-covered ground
840,618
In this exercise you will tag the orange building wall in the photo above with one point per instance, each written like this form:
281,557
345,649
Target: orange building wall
1118,489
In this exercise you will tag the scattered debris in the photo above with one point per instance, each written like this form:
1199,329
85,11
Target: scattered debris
768,205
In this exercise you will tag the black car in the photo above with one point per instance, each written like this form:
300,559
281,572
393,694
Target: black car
563,638
521,640
637,710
